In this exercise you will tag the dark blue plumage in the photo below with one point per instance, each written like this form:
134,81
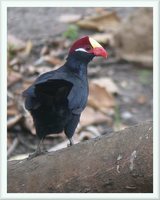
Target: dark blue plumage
57,98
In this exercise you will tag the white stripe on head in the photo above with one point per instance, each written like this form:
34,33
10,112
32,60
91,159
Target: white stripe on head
81,49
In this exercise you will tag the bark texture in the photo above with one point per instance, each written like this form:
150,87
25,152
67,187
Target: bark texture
118,162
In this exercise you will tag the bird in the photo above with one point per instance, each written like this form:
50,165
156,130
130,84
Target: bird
57,98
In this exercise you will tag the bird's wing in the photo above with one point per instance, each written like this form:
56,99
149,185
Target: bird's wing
43,78
47,92
53,90
77,99
59,85
76,93
31,102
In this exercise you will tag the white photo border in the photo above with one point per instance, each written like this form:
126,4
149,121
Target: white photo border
155,4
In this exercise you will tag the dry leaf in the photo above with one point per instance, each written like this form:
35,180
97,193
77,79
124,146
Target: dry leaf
28,48
86,135
106,83
13,77
19,157
9,139
44,51
100,98
146,60
28,122
23,54
104,38
14,61
134,39
90,116
101,22
12,110
52,60
43,69
12,147
14,120
94,130
142,99
38,69
57,52
15,44
30,70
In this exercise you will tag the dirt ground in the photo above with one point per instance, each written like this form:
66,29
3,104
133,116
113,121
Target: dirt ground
135,83
40,24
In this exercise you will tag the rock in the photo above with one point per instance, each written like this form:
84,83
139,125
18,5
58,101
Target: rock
126,115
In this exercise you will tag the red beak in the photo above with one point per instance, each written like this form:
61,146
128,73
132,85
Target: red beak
100,51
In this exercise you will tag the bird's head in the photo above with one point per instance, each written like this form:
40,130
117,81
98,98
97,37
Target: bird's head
87,48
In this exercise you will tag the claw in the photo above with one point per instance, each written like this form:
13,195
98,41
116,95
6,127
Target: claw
35,154
71,143
38,151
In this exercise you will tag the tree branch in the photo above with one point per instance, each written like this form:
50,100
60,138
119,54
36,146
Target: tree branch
118,162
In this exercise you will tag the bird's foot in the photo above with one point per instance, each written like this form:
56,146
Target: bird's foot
44,150
71,143
35,154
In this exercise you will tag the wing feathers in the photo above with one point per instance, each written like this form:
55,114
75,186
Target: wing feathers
48,92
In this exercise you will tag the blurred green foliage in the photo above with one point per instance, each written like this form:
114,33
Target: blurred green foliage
117,117
11,51
72,32
144,76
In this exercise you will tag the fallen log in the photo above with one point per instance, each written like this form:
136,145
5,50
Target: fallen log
118,162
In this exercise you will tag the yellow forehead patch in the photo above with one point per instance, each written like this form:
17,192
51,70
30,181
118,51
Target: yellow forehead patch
94,43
